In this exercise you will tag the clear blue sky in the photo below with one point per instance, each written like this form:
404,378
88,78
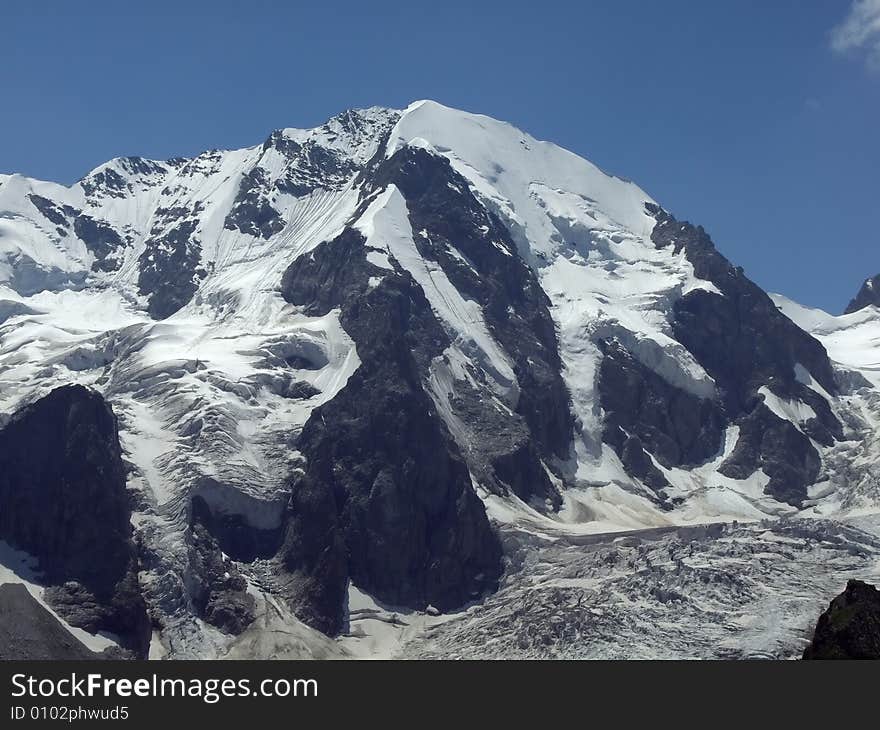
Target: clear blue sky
736,114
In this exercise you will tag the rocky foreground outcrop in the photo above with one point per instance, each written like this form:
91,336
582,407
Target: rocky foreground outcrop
850,628
63,499
29,632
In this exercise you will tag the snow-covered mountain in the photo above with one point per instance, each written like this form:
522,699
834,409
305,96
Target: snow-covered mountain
388,361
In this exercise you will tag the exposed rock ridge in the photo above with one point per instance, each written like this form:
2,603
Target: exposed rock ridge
869,295
385,498
745,344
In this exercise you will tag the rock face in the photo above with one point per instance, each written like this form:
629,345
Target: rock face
477,254
102,240
385,498
868,295
644,411
850,628
170,264
28,632
745,344
251,212
737,334
215,585
63,500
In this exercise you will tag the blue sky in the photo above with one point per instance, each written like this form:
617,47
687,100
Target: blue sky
758,120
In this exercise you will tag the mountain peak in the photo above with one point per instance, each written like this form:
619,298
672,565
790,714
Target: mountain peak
868,295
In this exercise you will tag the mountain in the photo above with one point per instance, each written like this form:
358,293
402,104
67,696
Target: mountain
373,382
868,295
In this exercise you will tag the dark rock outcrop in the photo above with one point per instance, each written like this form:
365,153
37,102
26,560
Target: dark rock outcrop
122,177
120,612
850,628
106,183
506,448
744,342
739,336
216,586
315,555
98,236
62,486
311,166
141,169
499,448
386,498
170,266
637,462
868,295
63,500
101,240
785,454
28,632
300,390
60,215
645,412
477,254
252,212
824,427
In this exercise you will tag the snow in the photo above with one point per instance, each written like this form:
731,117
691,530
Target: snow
853,344
336,135
723,591
789,410
376,631
852,340
512,168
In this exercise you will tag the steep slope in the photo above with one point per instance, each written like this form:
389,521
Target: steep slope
850,628
869,295
29,632
63,500
342,359
852,471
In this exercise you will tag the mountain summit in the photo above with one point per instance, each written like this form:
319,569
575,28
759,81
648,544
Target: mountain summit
868,295
356,366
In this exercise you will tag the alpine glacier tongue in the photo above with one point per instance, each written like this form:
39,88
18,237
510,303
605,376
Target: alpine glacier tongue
364,365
